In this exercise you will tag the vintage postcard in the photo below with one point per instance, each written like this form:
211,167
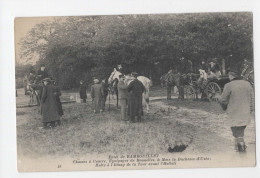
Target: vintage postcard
148,91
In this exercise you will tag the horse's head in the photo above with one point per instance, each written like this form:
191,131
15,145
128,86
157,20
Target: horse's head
114,75
203,74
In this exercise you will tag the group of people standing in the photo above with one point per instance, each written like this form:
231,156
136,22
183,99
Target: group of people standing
130,97
237,100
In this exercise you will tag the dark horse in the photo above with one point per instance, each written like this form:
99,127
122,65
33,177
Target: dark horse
37,87
179,80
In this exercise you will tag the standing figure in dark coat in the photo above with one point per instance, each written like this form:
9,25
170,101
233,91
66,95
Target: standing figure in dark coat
105,91
49,104
123,96
135,89
83,91
96,94
58,94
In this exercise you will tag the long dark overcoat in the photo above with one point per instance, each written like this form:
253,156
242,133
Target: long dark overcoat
97,94
83,91
135,89
49,104
57,95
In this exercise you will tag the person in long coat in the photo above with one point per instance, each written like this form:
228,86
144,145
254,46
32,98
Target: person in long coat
49,104
123,97
97,94
238,101
105,91
135,89
58,94
83,91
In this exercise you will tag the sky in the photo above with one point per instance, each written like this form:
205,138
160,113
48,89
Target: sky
22,26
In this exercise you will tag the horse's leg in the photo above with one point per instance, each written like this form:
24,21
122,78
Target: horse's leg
147,101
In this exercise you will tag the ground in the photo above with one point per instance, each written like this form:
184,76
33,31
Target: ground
197,124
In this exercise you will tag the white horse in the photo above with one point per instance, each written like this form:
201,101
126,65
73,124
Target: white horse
128,79
114,75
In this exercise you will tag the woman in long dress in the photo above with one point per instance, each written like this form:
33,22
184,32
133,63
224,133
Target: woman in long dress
49,104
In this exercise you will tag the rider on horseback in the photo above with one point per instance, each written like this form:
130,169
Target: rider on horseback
42,73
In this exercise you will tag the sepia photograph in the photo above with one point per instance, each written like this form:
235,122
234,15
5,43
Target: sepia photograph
139,91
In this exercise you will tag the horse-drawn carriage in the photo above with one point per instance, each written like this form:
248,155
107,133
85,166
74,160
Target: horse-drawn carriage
209,85
208,88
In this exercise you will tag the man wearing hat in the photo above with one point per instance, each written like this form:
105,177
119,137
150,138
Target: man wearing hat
42,73
83,91
237,100
49,105
135,89
214,69
57,94
104,85
123,96
97,94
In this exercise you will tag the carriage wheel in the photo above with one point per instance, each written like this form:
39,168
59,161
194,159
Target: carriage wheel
190,92
213,90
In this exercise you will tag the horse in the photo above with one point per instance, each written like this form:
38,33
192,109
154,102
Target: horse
112,83
177,80
172,80
147,84
114,79
31,93
163,81
37,87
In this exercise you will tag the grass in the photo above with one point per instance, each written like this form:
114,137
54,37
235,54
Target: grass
83,132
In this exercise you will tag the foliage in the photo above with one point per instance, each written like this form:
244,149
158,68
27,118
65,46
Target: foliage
75,48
